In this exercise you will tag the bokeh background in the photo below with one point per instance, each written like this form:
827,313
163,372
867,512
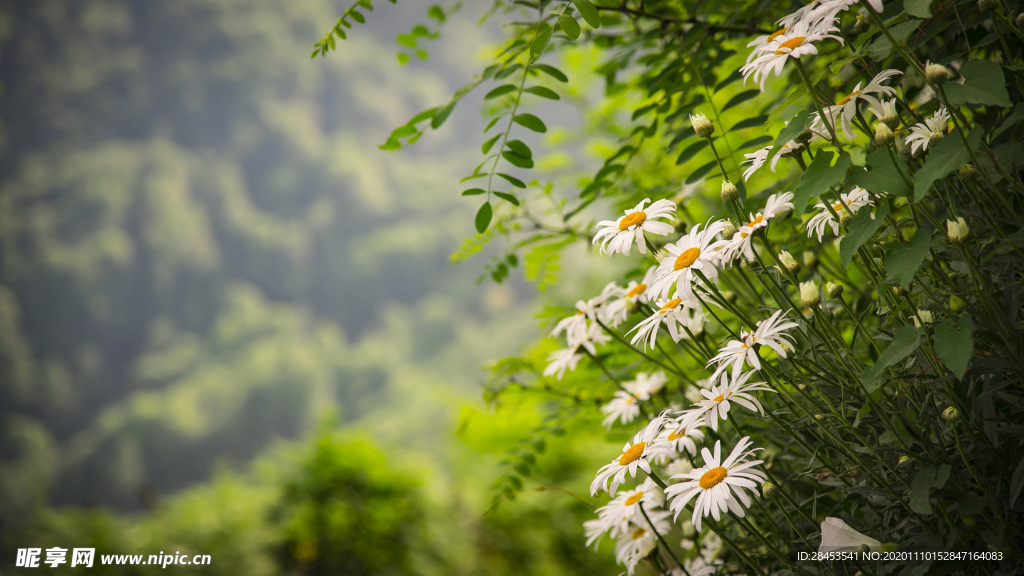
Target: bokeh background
229,324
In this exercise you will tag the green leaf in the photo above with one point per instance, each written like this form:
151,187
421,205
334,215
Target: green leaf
1016,483
919,8
540,43
903,261
530,122
569,25
489,144
519,148
955,347
403,58
941,476
474,192
861,229
798,93
819,177
921,489
881,48
740,98
357,16
796,127
948,155
442,115
517,160
543,92
506,72
984,84
483,217
437,13
755,142
513,180
643,110
884,176
749,123
700,172
500,91
691,151
508,198
550,71
903,344
407,40
589,12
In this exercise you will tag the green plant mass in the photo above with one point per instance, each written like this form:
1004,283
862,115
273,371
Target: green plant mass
271,275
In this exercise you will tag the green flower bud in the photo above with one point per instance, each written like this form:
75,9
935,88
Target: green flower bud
883,135
729,192
957,231
903,460
936,74
968,172
809,295
701,125
834,290
861,25
956,303
769,490
987,6
789,262
951,414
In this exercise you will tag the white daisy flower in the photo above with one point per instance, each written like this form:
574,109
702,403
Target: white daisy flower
837,536
635,454
681,437
856,199
757,158
718,400
692,252
566,359
623,407
885,111
645,385
562,360
845,109
931,130
743,239
719,486
615,312
575,326
634,545
761,41
678,466
770,332
614,517
679,311
694,567
796,42
618,236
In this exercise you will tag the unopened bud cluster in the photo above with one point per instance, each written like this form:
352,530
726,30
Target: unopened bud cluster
729,191
701,125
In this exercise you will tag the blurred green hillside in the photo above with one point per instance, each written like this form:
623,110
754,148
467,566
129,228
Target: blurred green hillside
228,323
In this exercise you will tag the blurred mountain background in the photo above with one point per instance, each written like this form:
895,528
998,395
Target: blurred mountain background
228,322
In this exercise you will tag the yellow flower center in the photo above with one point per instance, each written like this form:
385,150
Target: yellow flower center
633,454
720,397
712,477
636,291
670,305
634,498
837,206
687,258
676,434
776,34
848,98
757,220
789,45
630,220
639,533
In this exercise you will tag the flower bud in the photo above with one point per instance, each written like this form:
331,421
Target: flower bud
769,490
988,5
951,414
789,262
968,172
898,290
903,460
861,25
883,135
845,218
1020,20
863,549
729,229
701,125
936,74
957,231
809,295
925,316
933,140
810,259
729,192
834,290
956,303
